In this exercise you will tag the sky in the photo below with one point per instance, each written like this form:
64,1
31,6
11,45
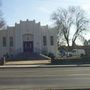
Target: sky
38,10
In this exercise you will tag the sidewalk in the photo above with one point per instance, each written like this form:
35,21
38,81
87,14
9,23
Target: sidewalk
42,66
38,64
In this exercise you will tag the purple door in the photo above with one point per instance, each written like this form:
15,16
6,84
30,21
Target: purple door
28,46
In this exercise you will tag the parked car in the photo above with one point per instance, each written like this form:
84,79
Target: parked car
78,52
68,54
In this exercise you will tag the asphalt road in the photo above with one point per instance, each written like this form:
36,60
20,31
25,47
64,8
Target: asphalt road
45,78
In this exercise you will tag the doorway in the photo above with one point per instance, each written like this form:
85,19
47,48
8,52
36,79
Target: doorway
28,46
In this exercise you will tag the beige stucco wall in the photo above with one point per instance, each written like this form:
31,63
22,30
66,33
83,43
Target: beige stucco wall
3,33
9,32
31,30
52,48
27,28
48,33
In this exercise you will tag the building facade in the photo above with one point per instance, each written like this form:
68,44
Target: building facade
27,36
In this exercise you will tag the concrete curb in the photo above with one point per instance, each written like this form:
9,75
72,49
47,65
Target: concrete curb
42,66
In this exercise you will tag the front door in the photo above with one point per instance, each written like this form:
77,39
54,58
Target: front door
28,46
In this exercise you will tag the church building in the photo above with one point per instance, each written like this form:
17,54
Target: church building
27,36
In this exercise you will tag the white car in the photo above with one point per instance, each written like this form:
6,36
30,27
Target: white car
75,52
78,52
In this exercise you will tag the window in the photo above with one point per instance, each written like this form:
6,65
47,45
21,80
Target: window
51,40
4,41
11,41
44,41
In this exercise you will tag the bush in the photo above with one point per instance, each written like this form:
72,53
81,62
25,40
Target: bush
51,55
1,61
45,53
85,57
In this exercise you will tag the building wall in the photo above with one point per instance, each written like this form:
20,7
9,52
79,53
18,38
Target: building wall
52,48
37,38
2,49
9,32
27,30
48,33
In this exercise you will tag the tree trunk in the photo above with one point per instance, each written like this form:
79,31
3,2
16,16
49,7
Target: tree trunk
73,44
68,45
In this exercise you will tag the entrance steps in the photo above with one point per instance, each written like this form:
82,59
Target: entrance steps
28,59
28,56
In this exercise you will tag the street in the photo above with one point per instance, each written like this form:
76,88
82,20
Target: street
44,78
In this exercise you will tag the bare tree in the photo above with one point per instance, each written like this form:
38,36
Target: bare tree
80,22
63,23
65,19
2,22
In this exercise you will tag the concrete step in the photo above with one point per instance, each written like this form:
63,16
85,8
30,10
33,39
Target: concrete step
35,62
29,56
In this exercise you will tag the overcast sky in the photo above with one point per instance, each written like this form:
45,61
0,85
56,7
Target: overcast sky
40,10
